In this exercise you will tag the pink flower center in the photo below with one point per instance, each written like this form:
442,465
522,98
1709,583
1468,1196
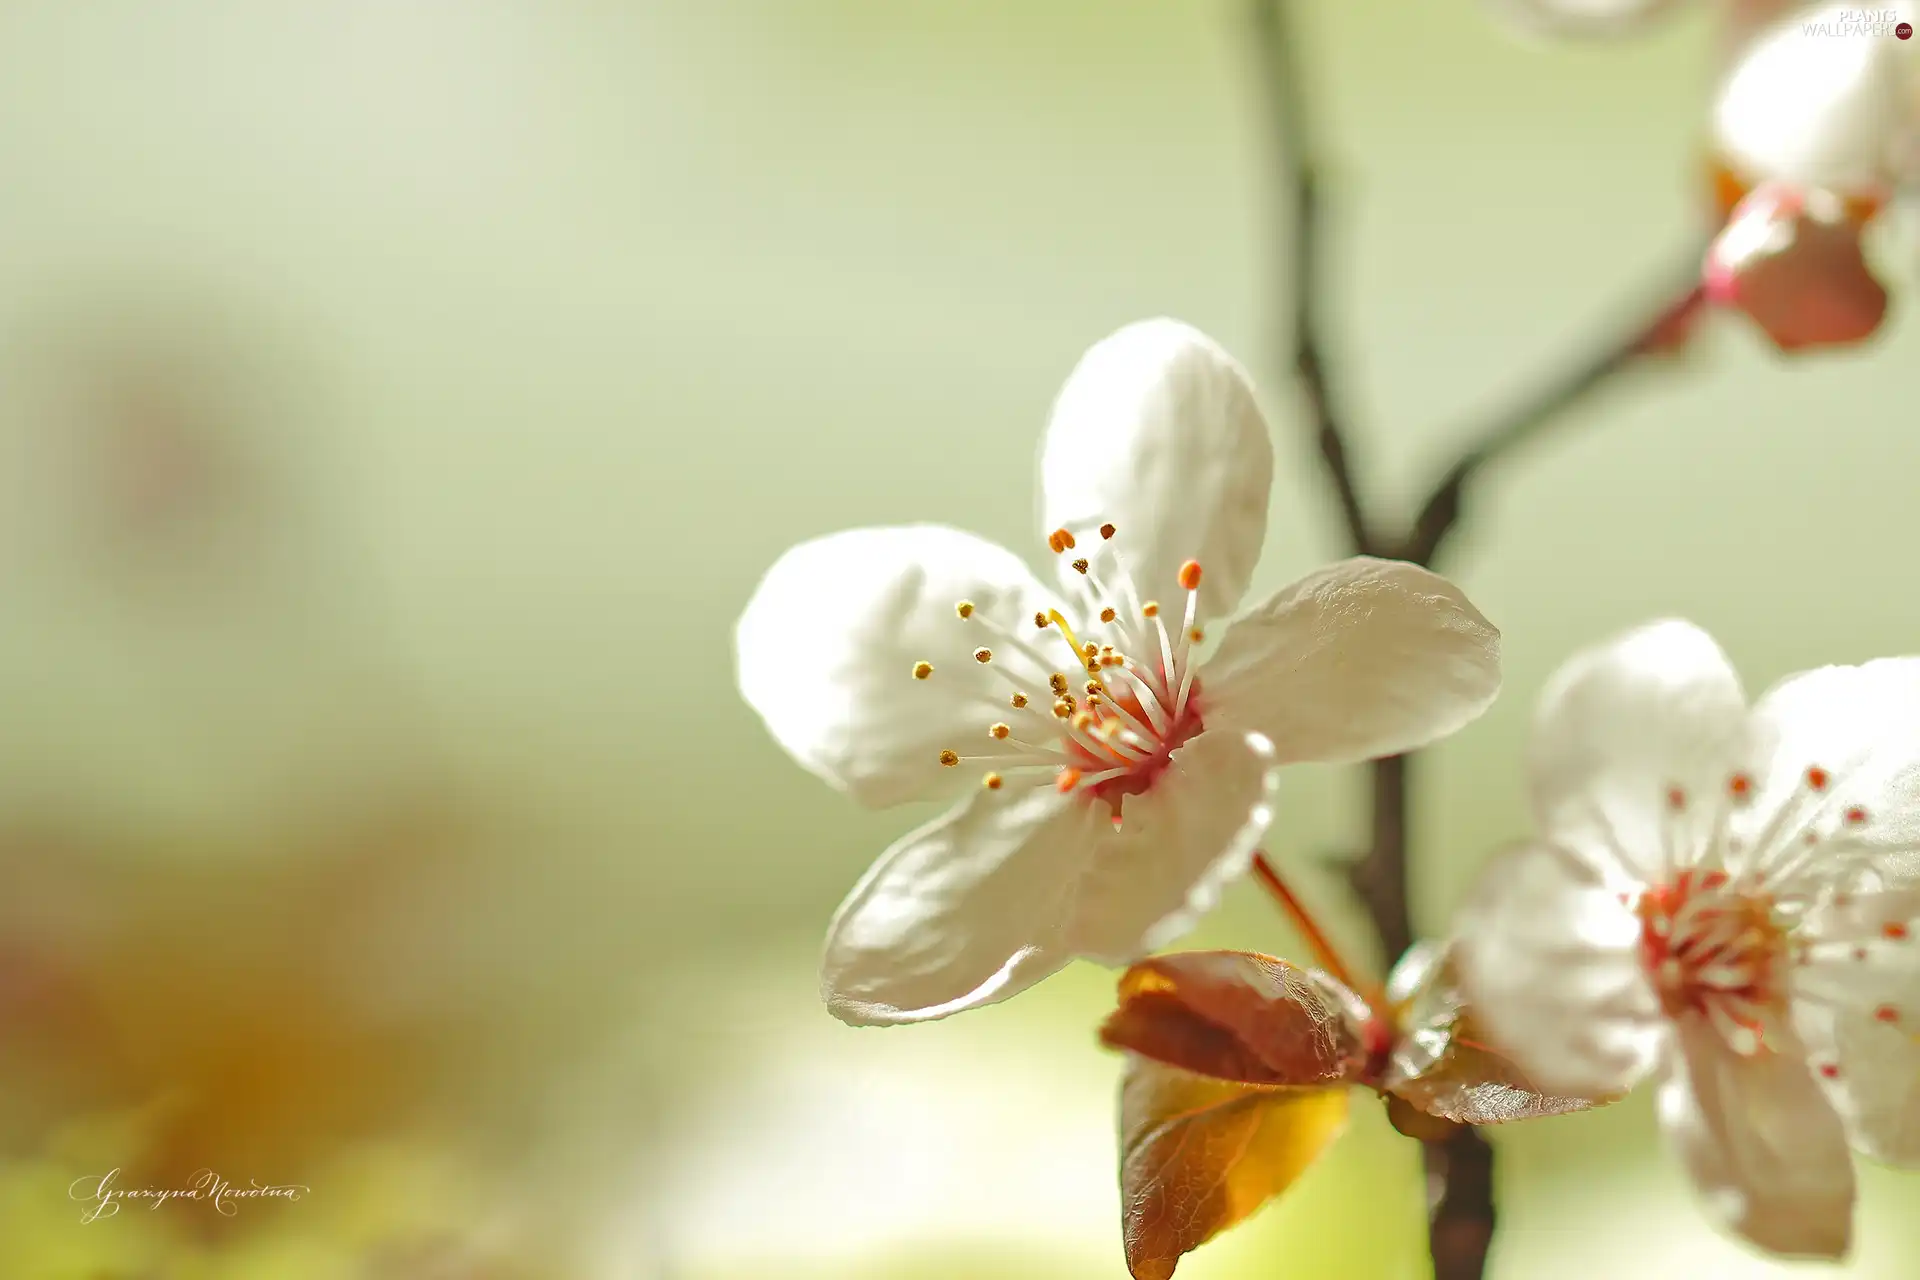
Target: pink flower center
1713,948
1098,702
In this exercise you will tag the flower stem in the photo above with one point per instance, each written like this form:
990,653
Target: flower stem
1459,1167
1325,954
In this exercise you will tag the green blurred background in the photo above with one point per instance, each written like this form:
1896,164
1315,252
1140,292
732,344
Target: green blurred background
398,402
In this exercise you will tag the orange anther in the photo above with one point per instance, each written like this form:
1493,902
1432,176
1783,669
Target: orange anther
1069,779
921,670
1817,778
1739,784
1190,575
1106,531
991,782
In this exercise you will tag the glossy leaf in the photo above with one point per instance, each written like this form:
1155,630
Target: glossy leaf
1235,1015
1443,1066
1199,1155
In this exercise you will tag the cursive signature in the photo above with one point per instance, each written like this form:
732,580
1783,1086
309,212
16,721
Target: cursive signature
104,1197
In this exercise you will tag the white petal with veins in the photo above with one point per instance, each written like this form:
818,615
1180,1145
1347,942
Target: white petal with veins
1548,960
1633,743
1178,846
827,648
1363,658
1157,432
1764,1147
966,911
1855,731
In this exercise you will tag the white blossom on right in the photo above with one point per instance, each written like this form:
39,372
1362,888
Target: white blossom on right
1721,899
1815,155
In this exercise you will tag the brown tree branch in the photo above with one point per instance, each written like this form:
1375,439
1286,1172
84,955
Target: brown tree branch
1648,332
1460,1167
1287,96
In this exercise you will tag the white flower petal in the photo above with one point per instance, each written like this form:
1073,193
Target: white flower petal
1857,1003
1765,1148
1584,17
1620,728
1415,970
964,912
825,652
1820,107
1857,731
1157,433
1180,843
1364,658
1548,960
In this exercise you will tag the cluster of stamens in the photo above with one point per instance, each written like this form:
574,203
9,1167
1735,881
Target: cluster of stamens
1718,937
1110,727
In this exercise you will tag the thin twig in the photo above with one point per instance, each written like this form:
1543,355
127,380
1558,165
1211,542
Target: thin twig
1528,420
1459,1167
1284,78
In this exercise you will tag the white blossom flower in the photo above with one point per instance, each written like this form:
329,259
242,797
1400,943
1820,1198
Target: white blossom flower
1116,782
1719,899
1825,97
1815,128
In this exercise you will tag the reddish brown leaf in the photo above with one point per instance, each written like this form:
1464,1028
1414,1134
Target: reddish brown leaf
1239,1016
1199,1155
1443,1066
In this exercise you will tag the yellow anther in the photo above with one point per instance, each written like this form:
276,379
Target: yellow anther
949,758
1057,683
1196,635
983,655
964,608
1000,731
1083,721
1093,687
991,782
1190,575
1079,566
1063,707
1151,609
921,670
1041,621
1089,649
1106,531
1093,668
1108,615
1018,700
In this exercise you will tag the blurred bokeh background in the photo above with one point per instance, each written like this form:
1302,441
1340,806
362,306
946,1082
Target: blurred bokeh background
398,402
